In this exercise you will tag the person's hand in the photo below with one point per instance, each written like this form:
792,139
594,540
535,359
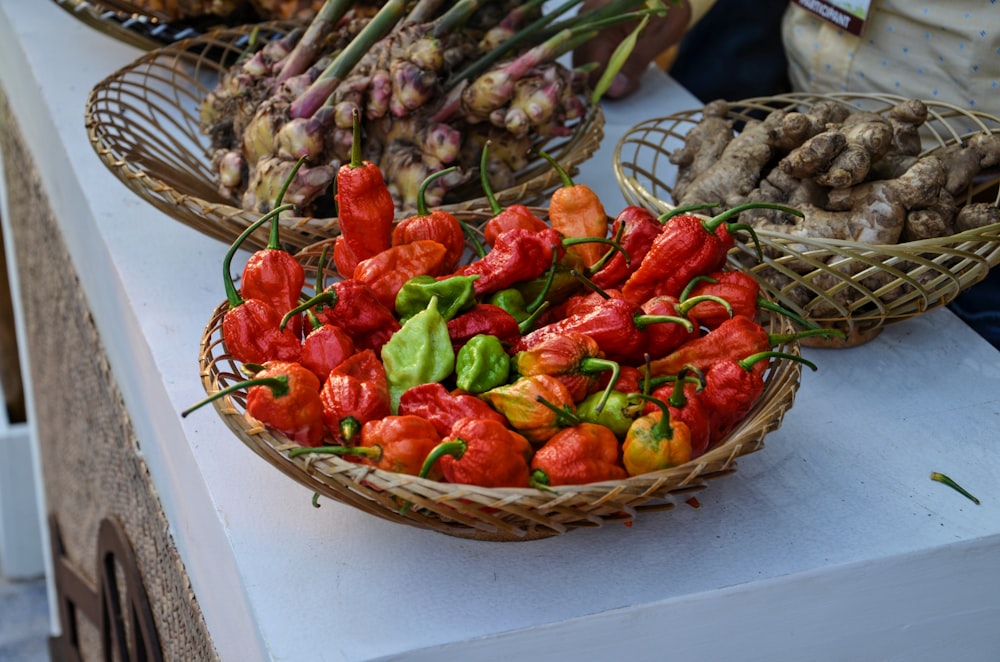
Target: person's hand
660,33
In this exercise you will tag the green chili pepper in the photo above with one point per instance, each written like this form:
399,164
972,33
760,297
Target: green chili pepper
513,301
482,363
419,353
455,295
616,414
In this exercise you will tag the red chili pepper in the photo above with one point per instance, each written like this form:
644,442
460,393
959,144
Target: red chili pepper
484,453
733,386
484,318
661,339
514,216
355,308
272,274
584,453
683,399
617,326
738,289
283,396
576,212
251,328
735,338
635,228
437,225
686,247
355,392
387,272
324,348
517,256
573,358
365,209
442,408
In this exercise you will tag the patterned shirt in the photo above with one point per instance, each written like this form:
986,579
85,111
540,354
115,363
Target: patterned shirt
926,49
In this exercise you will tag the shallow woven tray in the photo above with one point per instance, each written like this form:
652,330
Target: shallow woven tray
143,123
505,514
923,275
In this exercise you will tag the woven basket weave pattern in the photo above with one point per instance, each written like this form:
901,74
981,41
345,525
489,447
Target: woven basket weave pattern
856,288
143,122
508,514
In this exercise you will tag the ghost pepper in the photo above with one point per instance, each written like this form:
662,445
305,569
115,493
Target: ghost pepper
272,274
399,444
387,272
655,442
617,326
576,211
365,209
355,392
483,453
437,225
635,229
355,308
284,396
481,364
443,408
732,386
514,216
251,328
687,247
573,358
418,353
532,405
577,455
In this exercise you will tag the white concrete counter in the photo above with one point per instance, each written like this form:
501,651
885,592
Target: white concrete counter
832,543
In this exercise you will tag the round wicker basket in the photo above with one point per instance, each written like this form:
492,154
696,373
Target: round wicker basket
854,287
143,122
466,511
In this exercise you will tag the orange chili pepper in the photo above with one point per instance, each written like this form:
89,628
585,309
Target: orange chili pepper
577,455
575,210
482,452
387,272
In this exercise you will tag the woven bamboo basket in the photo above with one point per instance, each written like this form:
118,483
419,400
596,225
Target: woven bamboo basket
143,122
493,514
854,287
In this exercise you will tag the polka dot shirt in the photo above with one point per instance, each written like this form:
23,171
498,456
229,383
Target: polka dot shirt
941,51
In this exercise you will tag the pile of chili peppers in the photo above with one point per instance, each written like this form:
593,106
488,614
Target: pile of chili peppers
566,351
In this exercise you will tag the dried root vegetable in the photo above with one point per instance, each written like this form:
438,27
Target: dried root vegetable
856,175
427,90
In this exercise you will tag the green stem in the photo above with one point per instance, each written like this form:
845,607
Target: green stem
563,175
326,297
748,362
422,209
455,447
278,385
662,428
941,478
642,321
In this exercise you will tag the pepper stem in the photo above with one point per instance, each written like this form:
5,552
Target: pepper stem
778,338
422,209
455,447
563,175
274,240
327,297
642,321
662,428
565,416
278,385
593,364
748,362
